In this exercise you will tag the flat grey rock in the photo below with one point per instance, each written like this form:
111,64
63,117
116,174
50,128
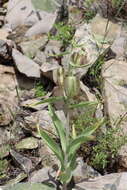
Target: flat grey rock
116,181
28,186
25,65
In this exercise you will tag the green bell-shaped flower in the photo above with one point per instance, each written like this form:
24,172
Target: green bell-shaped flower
71,86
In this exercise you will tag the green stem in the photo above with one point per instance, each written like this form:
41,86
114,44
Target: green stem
64,187
67,128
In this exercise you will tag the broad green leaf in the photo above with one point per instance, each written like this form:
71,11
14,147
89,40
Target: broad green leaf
52,145
76,143
72,162
90,130
81,104
46,5
49,100
84,137
66,176
59,127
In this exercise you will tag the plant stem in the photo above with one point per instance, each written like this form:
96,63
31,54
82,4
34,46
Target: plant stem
64,187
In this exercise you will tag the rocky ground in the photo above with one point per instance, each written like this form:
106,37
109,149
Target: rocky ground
33,47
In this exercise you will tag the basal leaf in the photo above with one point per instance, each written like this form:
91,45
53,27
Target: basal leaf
72,162
81,104
76,143
90,130
52,145
59,127
66,176
84,137
48,100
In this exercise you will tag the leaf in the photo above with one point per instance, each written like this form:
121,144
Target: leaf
48,100
78,66
86,135
76,143
81,104
89,130
73,162
52,145
59,128
73,132
65,177
46,5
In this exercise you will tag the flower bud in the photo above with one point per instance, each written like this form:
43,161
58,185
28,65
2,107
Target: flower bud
60,76
71,86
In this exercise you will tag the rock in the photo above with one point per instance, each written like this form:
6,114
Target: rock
98,27
26,85
48,159
115,181
3,11
75,15
57,91
44,120
28,186
47,5
1,21
17,36
42,175
50,63
4,150
27,143
84,171
52,48
109,9
48,69
25,65
42,26
8,99
115,91
42,117
3,168
31,103
16,180
85,53
27,12
31,48
86,92
122,184
40,58
23,162
36,161
3,34
98,107
100,7
123,156
5,135
8,134
115,101
107,182
5,50
27,94
119,46
18,12
2,15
